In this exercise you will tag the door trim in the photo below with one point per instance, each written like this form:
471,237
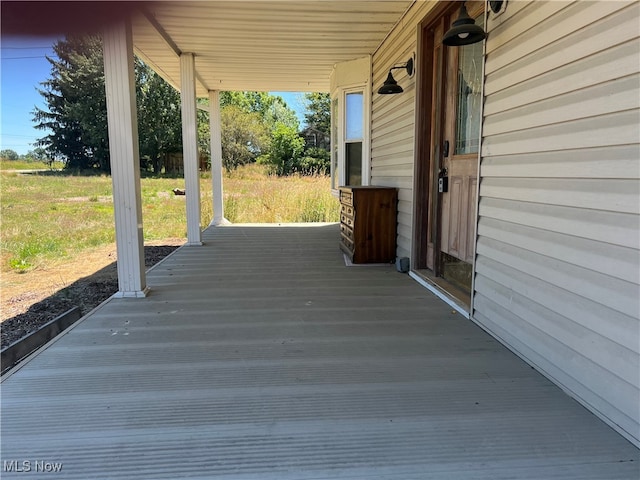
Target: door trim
422,179
478,177
423,183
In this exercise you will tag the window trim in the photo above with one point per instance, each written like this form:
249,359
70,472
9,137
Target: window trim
341,94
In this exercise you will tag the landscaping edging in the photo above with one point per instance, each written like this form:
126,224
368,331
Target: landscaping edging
18,350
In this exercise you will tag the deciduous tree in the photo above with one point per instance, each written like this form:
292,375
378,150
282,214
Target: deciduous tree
243,136
285,150
9,154
272,109
248,122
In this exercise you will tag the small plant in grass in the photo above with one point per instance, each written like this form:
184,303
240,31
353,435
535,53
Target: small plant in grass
20,265
29,254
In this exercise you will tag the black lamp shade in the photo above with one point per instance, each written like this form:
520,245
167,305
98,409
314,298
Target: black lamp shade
390,86
496,5
464,31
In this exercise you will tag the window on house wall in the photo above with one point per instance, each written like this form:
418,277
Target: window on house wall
354,137
349,158
350,128
335,143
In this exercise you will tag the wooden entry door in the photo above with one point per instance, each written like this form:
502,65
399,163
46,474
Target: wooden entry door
452,97
461,143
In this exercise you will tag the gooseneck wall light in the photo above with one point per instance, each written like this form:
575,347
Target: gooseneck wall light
496,6
390,86
464,30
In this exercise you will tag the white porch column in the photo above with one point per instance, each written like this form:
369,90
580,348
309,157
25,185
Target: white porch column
125,159
190,146
215,125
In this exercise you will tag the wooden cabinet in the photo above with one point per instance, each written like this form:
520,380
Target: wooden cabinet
368,223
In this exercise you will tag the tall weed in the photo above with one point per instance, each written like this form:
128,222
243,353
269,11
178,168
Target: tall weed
46,218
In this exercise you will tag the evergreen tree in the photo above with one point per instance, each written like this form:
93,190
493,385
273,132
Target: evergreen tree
77,113
77,109
318,115
159,117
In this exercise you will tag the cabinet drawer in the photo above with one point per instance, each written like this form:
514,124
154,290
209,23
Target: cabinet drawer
346,231
347,220
346,244
346,197
347,210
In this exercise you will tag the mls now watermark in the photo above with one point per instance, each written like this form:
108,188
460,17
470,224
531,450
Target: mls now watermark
35,466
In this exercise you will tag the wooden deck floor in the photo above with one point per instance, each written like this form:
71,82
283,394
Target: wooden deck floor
261,356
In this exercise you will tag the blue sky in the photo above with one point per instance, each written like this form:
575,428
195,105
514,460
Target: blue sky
295,101
23,67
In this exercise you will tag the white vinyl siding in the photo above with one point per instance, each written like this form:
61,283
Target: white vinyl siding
393,120
558,247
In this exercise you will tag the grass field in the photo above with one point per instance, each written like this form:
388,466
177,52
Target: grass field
28,165
47,218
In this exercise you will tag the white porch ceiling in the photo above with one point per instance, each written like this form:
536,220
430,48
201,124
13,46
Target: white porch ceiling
262,45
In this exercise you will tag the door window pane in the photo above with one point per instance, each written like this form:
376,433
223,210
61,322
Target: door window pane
354,116
469,96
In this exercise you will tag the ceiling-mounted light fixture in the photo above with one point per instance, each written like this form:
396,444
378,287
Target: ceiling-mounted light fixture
464,31
390,86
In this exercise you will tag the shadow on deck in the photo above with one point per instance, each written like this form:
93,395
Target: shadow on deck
261,356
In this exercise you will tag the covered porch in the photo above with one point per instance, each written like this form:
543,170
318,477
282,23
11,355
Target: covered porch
260,355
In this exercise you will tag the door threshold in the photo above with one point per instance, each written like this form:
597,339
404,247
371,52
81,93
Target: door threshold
445,291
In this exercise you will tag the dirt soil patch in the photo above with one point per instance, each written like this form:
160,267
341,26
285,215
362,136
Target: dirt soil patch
29,300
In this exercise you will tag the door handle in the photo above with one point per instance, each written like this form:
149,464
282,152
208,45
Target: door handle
445,149
443,181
